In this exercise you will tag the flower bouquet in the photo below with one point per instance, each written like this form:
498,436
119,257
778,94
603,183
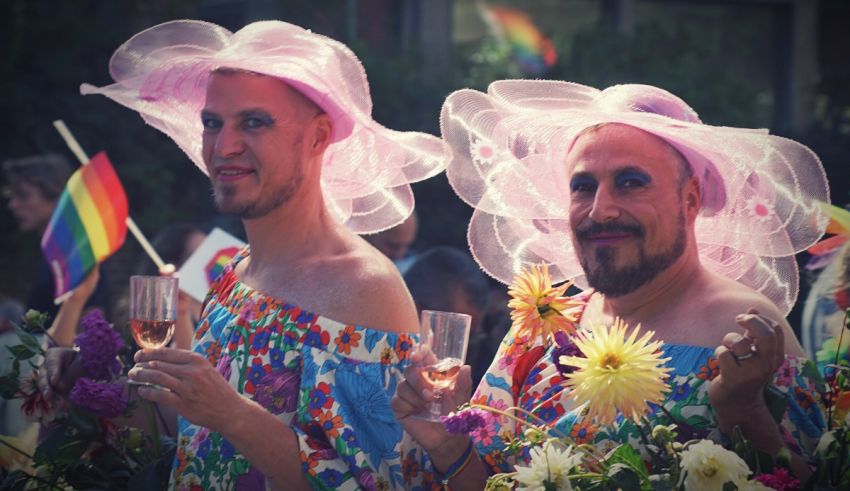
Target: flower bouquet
79,445
611,372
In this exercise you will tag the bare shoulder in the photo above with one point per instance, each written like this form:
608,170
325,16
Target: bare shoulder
730,298
374,293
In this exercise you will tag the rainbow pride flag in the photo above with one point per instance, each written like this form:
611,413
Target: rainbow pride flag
533,51
88,224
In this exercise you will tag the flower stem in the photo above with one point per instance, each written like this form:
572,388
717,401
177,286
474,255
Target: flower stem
151,410
16,449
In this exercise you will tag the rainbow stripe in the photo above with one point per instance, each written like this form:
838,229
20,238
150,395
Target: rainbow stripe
219,260
88,224
533,51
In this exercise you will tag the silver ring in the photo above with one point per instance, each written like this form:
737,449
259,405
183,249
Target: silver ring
743,357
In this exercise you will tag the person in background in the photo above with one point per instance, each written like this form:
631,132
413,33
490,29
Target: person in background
33,187
448,280
395,242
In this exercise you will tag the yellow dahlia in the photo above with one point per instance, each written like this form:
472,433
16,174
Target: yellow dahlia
617,373
540,309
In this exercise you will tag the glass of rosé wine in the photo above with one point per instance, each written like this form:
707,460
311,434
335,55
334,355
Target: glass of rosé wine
443,340
153,310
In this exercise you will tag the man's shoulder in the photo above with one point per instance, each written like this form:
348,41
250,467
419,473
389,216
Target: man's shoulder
731,297
727,298
374,294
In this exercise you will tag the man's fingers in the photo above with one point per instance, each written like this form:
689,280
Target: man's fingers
762,331
779,356
151,376
178,370
726,361
402,408
742,348
413,377
170,355
159,396
411,395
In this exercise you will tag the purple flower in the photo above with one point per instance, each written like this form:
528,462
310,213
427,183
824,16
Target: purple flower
253,480
101,398
564,346
464,422
278,391
99,345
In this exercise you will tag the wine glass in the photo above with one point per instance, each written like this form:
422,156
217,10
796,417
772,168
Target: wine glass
153,310
443,339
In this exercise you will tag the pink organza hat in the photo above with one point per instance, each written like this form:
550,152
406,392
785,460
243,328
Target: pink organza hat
509,150
162,73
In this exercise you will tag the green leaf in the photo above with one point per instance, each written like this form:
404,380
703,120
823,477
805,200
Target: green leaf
29,340
810,371
85,422
21,352
60,448
627,455
625,476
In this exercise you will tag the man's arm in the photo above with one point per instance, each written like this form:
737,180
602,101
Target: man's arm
747,364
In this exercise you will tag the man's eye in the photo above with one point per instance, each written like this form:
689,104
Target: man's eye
582,186
210,124
632,183
631,180
254,123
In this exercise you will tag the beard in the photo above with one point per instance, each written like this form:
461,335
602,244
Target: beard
226,203
605,277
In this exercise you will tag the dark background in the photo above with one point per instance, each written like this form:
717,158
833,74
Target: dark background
779,64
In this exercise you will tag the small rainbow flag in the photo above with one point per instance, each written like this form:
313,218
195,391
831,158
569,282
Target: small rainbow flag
533,51
219,260
88,224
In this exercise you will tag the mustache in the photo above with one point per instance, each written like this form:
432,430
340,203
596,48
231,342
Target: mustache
587,230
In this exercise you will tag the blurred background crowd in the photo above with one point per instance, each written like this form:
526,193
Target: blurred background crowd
777,64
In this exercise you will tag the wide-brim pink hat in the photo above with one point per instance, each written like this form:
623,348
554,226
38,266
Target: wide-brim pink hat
162,73
509,149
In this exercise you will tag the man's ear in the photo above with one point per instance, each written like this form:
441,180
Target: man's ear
693,197
320,134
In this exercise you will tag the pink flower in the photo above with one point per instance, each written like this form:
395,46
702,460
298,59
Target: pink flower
780,479
35,407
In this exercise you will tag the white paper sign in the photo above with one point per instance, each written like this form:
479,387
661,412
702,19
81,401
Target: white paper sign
207,263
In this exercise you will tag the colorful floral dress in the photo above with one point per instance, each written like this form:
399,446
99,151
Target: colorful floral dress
524,374
330,382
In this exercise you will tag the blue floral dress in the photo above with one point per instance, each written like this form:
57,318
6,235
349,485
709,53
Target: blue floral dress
331,382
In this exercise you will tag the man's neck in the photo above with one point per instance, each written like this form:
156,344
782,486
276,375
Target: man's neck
298,229
659,293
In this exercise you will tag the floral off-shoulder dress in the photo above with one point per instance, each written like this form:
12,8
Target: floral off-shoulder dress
331,382
524,374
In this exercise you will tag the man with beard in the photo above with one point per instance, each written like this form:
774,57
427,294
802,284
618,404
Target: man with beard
676,226
302,338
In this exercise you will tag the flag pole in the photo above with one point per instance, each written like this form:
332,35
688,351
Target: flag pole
84,159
